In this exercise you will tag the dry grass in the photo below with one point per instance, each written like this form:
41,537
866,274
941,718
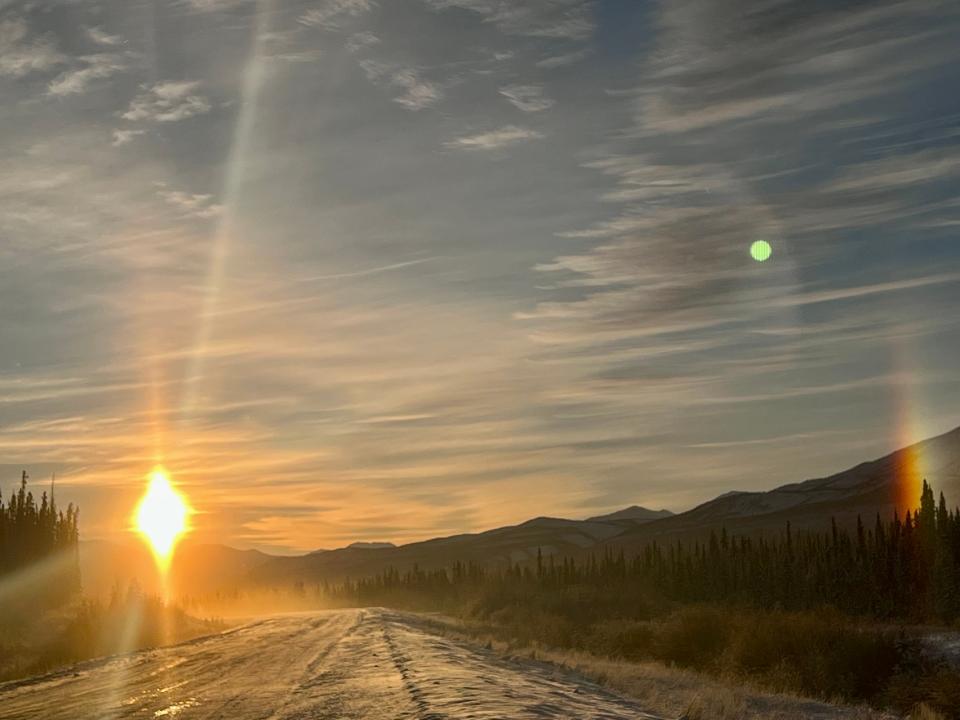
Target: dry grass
723,704
925,712
671,692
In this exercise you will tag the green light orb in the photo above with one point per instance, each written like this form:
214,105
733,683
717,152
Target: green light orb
760,250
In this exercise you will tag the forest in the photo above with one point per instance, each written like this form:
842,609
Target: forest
825,614
903,569
31,532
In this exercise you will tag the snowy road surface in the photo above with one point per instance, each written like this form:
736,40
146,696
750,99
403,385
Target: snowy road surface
369,664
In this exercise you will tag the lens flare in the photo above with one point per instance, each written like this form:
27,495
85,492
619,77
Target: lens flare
161,517
760,250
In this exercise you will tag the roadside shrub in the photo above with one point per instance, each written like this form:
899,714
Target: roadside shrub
623,639
822,655
692,637
928,692
925,712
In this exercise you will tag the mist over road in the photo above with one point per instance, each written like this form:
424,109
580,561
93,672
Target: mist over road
346,664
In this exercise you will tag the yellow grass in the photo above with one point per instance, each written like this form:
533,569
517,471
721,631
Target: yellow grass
671,692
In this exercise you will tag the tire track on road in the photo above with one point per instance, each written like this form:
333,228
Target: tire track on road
400,662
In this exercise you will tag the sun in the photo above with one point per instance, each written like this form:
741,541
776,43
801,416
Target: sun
161,517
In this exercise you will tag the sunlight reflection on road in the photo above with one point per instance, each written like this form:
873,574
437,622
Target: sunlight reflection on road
363,664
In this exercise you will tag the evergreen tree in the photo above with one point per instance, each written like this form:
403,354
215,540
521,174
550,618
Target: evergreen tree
30,533
905,569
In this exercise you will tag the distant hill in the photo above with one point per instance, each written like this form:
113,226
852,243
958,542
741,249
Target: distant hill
883,486
880,486
198,568
516,543
634,512
891,483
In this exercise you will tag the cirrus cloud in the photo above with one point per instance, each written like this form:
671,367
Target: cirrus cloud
529,98
93,67
169,101
494,139
331,14
20,56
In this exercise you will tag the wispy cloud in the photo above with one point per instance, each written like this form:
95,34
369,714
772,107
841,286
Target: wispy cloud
898,173
98,36
124,136
169,101
362,40
563,60
192,205
529,98
558,19
829,58
91,67
494,139
21,55
369,271
848,293
417,94
331,14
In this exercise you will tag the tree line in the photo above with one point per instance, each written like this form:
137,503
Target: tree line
903,568
31,531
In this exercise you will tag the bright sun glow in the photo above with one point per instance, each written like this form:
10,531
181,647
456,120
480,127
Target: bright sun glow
161,516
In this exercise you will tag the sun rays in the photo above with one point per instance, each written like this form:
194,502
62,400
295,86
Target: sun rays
253,78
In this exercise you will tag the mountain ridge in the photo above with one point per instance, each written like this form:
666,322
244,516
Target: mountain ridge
883,486
633,512
863,489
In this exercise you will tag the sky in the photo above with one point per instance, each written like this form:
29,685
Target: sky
367,270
